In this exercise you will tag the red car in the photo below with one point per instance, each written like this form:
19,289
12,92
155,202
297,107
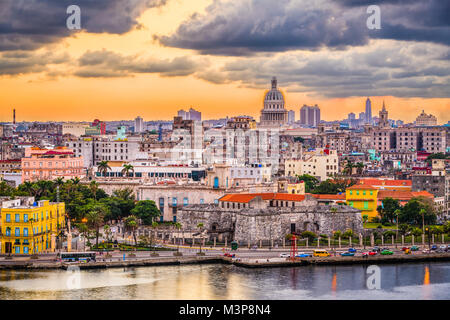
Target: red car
369,253
227,254
404,248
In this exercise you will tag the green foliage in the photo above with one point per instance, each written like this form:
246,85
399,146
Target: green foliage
310,182
388,233
338,234
403,228
412,211
388,209
309,234
416,232
333,186
347,234
147,211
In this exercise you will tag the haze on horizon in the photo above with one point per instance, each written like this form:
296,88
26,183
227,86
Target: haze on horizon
153,57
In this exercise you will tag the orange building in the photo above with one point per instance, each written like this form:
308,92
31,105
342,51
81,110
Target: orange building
49,164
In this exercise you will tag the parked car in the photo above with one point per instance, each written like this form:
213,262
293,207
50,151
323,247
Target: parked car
376,248
303,255
405,248
231,255
373,253
414,248
284,255
347,254
434,247
426,251
444,248
387,252
352,250
407,251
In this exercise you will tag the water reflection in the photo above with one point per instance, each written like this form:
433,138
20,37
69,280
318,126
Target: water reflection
407,281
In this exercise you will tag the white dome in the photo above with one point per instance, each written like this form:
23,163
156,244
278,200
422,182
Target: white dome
274,99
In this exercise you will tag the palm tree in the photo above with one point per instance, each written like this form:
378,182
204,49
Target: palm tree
75,180
83,229
95,217
131,223
103,168
360,167
126,169
349,168
94,188
58,181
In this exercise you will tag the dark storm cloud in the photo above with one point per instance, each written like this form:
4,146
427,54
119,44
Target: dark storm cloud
402,70
30,24
245,27
108,64
24,62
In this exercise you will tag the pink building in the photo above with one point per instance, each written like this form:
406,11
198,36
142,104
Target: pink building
50,164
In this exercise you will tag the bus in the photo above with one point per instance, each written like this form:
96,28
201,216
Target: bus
321,253
76,256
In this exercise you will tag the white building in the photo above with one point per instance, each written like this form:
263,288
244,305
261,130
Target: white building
319,163
139,125
77,129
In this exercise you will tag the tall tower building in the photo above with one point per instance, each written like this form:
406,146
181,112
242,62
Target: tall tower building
368,113
383,117
14,116
291,116
139,125
310,116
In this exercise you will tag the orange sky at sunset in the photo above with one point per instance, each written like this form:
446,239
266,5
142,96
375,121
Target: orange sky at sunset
57,94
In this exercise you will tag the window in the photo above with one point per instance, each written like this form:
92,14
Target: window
174,201
202,201
17,217
25,250
17,251
17,232
25,232
364,192
366,204
185,201
357,193
8,217
351,192
8,232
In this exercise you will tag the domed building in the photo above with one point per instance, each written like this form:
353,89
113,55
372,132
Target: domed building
274,114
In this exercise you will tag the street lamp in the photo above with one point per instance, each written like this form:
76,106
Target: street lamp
429,243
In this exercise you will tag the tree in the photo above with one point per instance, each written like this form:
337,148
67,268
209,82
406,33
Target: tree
147,211
360,167
403,228
309,234
127,168
310,182
131,224
410,213
348,233
387,209
84,230
348,169
93,186
103,168
95,216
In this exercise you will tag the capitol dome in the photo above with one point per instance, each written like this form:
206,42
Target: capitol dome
273,113
274,99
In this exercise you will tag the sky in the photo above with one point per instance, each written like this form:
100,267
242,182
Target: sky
151,58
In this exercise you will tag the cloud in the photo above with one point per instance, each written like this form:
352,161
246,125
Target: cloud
107,64
401,69
15,63
246,27
31,24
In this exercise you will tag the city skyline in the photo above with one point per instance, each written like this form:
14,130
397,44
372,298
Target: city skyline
156,59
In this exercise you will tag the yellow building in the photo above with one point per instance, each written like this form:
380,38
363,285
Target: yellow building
28,227
364,198
296,188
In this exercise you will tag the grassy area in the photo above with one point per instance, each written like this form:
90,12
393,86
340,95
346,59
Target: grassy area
372,225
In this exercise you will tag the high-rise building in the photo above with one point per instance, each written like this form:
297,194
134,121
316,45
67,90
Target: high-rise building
310,116
139,125
368,113
190,115
351,116
273,113
291,116
362,116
